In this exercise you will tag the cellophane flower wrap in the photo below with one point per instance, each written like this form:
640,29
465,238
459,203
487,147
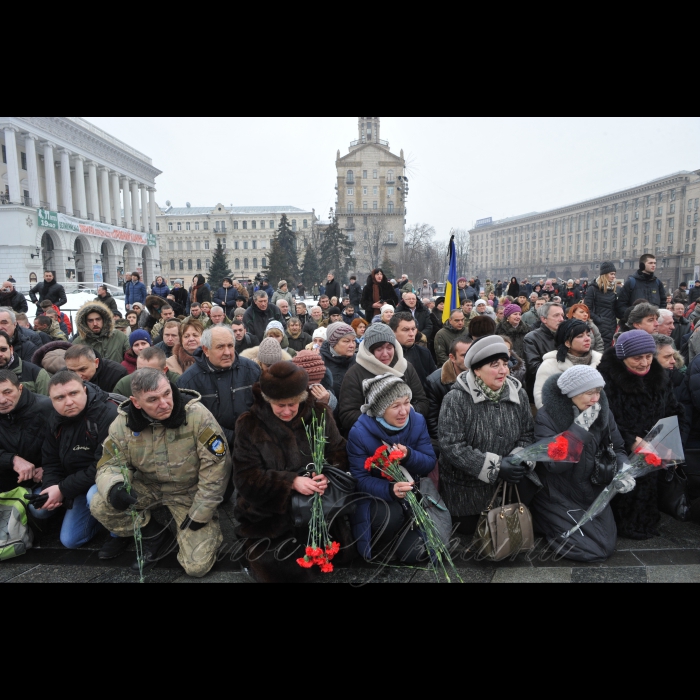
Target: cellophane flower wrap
661,449
388,465
320,548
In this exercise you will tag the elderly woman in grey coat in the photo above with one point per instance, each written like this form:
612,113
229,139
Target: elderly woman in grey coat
484,422
575,402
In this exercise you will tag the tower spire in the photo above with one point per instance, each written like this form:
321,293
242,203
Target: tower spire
369,129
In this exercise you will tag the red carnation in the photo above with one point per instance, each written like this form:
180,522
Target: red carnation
558,450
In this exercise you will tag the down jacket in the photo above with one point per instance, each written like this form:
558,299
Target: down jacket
109,343
365,438
568,490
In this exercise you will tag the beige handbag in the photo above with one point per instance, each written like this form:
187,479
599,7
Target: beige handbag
506,531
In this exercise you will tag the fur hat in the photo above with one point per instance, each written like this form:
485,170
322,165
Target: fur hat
269,352
313,364
284,380
338,331
634,344
378,334
511,309
140,335
380,392
580,379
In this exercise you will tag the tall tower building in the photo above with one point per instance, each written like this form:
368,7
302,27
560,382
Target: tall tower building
372,190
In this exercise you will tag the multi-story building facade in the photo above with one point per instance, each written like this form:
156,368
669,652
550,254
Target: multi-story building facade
188,237
658,217
74,200
372,190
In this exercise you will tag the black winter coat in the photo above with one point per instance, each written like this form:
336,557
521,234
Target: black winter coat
536,345
25,343
638,403
421,360
604,313
568,489
641,286
338,366
108,375
73,446
15,301
54,292
256,321
423,317
386,294
22,433
228,394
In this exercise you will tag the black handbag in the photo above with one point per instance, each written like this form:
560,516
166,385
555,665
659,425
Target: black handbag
673,494
606,466
340,497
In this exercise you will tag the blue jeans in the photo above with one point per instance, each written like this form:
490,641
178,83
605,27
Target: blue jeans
79,527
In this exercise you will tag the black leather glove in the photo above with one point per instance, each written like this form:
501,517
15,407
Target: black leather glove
512,471
120,500
190,524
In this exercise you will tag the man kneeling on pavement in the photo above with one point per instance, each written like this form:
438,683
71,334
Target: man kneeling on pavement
177,457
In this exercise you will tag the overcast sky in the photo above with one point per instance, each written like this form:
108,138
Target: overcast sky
461,168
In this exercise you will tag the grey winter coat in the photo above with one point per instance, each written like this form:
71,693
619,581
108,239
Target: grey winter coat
568,490
475,434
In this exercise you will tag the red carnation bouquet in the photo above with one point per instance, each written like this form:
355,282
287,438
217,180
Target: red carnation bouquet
565,448
388,465
320,549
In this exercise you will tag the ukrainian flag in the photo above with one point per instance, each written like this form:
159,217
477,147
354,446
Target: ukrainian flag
451,291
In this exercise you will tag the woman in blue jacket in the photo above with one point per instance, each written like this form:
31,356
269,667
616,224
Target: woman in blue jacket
160,289
381,524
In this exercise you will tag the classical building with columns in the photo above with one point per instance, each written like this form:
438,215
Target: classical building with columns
74,200
658,217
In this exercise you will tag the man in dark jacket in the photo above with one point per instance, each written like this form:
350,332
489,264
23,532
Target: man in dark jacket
440,383
642,285
105,374
12,299
424,322
72,448
259,315
354,291
23,420
107,299
49,289
333,287
404,326
540,342
24,341
224,380
244,340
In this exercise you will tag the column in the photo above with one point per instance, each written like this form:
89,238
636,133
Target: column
93,196
135,205
152,207
32,169
12,164
104,194
80,186
144,207
116,200
66,187
127,203
50,173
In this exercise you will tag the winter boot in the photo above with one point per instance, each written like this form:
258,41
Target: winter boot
155,538
114,547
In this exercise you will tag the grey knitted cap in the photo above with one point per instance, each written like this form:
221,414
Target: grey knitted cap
380,392
580,379
377,334
269,352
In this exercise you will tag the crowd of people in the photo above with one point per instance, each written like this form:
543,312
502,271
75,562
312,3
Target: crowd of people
199,396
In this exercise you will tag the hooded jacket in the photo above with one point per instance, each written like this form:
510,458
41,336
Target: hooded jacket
22,433
227,393
15,301
52,291
423,318
73,446
386,295
641,285
110,344
443,341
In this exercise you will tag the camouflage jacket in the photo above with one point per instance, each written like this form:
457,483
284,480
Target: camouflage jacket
191,463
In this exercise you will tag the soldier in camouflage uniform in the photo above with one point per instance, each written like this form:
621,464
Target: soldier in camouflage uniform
177,457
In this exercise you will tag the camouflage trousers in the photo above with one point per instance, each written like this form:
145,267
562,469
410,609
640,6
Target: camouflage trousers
197,550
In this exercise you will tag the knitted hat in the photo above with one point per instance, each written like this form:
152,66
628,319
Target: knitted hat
512,309
140,335
378,334
634,344
380,392
274,326
337,331
484,351
313,364
357,323
334,311
580,379
269,352
320,333
385,308
284,380
607,268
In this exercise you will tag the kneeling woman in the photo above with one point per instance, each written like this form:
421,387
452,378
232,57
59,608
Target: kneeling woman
271,451
575,402
381,525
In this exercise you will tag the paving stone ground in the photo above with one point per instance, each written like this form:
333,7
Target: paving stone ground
672,558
